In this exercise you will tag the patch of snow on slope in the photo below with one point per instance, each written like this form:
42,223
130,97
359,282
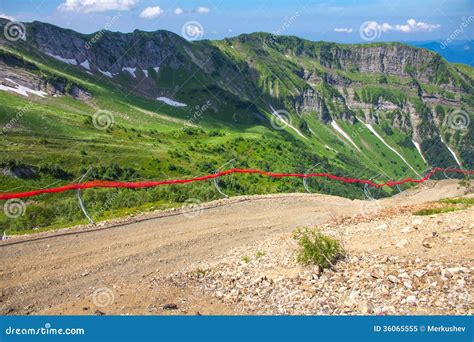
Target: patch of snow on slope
86,65
344,134
22,90
275,113
171,102
130,70
452,152
62,59
145,72
156,69
419,150
106,73
369,126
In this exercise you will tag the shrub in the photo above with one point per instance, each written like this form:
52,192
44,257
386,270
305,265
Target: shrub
317,248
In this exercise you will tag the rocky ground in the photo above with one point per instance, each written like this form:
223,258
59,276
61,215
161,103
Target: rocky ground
237,256
397,263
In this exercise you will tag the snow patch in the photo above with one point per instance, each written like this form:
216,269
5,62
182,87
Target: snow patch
145,72
106,73
369,126
171,102
130,70
156,69
419,150
344,134
275,113
22,90
452,152
86,65
62,59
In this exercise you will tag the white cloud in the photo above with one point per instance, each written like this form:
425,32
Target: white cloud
89,6
6,16
411,26
420,26
151,12
178,11
203,10
343,29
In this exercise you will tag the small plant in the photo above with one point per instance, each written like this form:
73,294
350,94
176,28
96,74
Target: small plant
246,259
259,254
448,205
317,248
434,211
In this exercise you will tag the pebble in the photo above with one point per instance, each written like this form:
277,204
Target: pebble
406,230
170,306
393,279
401,243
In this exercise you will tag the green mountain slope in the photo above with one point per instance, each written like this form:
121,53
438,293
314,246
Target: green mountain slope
76,107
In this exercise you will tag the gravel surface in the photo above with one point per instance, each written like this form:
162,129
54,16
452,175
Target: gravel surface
265,278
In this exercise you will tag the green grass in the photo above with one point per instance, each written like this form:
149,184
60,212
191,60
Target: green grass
449,205
469,201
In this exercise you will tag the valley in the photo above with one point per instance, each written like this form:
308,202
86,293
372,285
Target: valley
153,106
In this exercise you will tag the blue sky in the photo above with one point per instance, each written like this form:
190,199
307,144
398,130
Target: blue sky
341,21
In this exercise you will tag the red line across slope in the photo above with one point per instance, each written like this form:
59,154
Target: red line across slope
147,184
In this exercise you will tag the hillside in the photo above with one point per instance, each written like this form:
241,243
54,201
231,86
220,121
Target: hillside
151,105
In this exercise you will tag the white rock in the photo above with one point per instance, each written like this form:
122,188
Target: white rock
411,300
393,279
401,243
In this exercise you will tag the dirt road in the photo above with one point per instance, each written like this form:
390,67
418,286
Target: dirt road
116,268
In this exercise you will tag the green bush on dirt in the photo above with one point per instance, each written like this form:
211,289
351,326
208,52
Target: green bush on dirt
317,248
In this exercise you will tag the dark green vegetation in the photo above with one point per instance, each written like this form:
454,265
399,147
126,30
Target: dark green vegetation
317,248
447,205
90,126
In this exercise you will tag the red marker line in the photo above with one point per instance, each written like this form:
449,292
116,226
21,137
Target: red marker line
148,184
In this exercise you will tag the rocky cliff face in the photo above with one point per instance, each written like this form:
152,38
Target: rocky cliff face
111,52
398,60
